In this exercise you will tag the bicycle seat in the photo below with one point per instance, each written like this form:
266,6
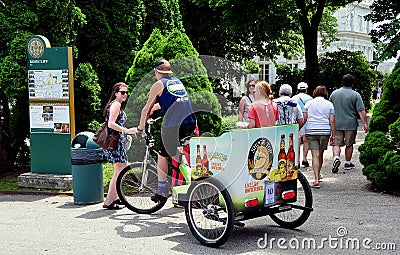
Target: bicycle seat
185,141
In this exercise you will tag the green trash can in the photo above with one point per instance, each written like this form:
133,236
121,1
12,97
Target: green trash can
87,169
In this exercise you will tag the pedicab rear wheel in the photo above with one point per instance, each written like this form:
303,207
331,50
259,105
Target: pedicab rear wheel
299,211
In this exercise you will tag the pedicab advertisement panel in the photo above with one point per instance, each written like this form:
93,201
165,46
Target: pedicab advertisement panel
257,166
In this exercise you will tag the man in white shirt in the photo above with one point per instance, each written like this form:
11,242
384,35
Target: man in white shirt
302,98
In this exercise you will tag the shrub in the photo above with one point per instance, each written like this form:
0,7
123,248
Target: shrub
394,131
382,116
380,152
186,65
375,146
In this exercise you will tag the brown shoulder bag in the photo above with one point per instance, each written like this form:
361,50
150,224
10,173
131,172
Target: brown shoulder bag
106,140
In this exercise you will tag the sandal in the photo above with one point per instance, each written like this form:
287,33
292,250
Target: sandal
113,206
315,186
119,202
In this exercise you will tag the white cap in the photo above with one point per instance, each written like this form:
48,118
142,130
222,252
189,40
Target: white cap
302,85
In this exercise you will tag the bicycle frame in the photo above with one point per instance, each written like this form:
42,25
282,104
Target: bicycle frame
150,142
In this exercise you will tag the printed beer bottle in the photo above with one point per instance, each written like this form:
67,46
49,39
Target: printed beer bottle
205,161
291,166
197,172
282,160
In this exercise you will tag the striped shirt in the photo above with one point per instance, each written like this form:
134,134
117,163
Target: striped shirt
319,111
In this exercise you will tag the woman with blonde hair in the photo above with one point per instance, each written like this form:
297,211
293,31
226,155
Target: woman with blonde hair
263,112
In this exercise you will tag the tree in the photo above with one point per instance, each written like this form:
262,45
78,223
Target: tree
263,28
336,64
19,20
241,29
116,30
177,48
385,13
87,89
380,151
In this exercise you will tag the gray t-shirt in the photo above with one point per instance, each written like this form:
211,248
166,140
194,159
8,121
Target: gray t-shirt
347,103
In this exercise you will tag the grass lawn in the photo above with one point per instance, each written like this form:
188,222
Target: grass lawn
9,181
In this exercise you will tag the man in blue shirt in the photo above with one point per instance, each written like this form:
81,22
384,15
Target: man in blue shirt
179,121
347,104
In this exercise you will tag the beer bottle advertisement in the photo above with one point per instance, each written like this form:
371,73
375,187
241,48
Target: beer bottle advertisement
250,163
197,172
205,162
291,165
282,159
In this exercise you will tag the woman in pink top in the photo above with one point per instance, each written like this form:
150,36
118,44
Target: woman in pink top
263,112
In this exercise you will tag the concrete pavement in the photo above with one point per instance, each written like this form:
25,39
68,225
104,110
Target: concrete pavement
345,214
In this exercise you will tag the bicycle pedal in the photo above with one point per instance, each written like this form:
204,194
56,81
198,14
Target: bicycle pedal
179,206
238,223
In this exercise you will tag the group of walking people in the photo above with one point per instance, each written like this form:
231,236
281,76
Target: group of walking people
322,120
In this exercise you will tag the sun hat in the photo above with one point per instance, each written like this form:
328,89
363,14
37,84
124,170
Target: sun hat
163,66
302,85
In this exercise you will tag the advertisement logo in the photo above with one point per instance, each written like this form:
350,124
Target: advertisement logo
260,158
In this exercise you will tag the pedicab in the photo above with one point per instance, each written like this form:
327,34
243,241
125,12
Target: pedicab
240,175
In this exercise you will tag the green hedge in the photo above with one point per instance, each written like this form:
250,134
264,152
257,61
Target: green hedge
380,152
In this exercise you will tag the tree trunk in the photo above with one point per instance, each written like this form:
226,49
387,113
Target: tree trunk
309,29
5,141
312,70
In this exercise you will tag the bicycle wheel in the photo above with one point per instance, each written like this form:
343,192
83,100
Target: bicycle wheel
135,191
298,212
209,212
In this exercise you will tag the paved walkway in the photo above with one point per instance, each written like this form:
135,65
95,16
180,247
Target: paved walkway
345,212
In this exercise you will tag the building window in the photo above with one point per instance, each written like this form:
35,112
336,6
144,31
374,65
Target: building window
293,62
264,72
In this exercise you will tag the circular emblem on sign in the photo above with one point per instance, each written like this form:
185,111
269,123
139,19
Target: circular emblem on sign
260,158
36,48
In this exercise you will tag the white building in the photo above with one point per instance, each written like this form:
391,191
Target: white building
353,35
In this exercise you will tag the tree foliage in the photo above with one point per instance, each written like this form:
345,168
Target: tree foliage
178,49
116,30
336,64
186,65
263,28
385,35
87,99
56,20
380,151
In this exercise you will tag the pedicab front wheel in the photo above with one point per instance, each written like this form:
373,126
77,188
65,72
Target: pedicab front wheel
209,212
136,185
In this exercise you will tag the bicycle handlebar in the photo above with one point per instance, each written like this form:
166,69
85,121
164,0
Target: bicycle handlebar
151,121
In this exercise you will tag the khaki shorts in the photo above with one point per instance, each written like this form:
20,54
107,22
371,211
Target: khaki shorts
345,137
318,142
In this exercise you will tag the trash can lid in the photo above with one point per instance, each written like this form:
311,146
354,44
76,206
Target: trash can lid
84,140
